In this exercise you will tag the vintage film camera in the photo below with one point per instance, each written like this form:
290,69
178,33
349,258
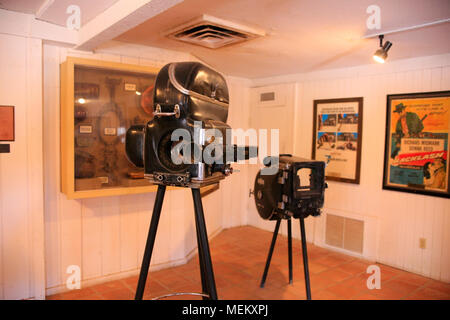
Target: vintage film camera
190,104
296,190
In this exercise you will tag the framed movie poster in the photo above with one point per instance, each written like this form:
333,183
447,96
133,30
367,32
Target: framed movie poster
416,149
337,134
6,123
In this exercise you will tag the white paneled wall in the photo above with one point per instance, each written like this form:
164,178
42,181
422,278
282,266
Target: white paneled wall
278,115
21,186
401,218
106,236
235,192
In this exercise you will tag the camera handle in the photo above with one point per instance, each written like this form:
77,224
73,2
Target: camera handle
159,113
204,255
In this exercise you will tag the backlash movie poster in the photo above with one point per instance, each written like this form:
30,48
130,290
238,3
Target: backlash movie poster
417,155
337,137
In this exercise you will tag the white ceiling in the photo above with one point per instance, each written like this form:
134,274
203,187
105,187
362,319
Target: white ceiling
55,10
24,6
303,35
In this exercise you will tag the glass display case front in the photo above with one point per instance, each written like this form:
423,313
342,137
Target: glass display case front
100,101
106,103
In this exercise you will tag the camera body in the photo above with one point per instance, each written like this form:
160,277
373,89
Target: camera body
190,104
296,190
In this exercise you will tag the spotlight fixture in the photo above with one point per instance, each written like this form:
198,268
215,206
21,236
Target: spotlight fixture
381,54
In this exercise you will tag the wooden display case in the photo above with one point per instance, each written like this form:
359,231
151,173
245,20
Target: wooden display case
99,102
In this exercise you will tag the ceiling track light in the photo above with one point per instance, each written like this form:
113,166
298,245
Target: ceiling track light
381,54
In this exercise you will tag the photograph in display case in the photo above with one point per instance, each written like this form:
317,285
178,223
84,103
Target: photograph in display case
416,149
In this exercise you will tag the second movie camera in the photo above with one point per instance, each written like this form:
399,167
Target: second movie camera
295,190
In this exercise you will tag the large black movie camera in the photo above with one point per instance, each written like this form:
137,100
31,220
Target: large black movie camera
188,142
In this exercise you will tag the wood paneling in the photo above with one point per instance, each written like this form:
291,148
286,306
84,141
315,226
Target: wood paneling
334,233
283,116
106,236
402,218
21,172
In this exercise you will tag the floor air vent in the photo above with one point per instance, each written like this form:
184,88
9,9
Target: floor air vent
213,33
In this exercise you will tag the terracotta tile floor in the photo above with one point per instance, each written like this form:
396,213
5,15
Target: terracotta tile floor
239,255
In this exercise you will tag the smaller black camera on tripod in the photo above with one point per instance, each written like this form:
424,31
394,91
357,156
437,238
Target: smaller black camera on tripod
295,190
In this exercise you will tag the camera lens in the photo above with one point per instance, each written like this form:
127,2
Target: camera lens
165,155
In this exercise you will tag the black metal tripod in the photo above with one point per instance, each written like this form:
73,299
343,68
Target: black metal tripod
304,252
204,256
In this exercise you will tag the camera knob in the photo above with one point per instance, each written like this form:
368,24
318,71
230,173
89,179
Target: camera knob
259,195
227,171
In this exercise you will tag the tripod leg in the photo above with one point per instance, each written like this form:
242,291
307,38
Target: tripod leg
269,257
201,262
150,242
305,259
290,249
208,273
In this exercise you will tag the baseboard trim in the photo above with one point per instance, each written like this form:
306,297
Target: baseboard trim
130,273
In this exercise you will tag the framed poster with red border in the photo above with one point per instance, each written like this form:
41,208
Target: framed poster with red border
416,143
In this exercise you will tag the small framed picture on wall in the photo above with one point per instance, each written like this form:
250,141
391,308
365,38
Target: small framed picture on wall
416,147
337,136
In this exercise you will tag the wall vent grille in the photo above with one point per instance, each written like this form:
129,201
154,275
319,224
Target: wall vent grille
344,233
267,96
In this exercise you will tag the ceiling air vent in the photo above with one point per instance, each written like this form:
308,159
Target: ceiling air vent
213,33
